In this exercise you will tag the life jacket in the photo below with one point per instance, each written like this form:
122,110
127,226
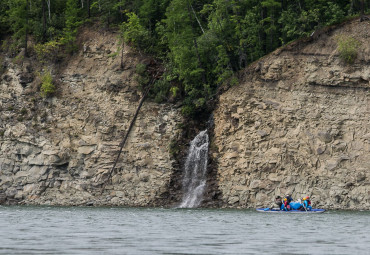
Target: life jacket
286,205
307,203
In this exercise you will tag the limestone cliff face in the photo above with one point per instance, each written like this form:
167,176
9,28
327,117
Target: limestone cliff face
59,150
299,123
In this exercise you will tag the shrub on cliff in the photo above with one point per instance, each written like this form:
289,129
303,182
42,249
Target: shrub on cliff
47,86
47,51
347,48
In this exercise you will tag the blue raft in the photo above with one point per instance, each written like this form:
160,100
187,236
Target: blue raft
268,210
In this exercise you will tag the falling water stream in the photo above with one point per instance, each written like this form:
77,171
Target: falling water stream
195,171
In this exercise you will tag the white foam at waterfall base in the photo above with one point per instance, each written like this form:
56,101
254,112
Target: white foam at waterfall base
195,169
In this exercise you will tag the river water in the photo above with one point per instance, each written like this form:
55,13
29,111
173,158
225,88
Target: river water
86,230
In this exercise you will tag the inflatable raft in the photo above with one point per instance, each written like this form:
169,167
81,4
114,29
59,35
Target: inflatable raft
268,210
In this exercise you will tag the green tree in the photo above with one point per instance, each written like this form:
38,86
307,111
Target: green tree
181,31
133,32
111,11
4,24
18,17
153,11
269,33
201,43
297,23
73,19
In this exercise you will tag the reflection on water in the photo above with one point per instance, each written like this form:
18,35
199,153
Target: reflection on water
66,230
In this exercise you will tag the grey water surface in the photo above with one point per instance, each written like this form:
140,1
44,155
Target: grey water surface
87,230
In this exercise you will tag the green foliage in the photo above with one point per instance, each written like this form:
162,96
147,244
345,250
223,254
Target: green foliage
47,51
142,76
333,14
114,54
4,25
294,27
202,43
347,48
2,65
47,86
174,91
234,81
223,69
18,20
133,32
73,20
188,110
110,11
140,69
160,91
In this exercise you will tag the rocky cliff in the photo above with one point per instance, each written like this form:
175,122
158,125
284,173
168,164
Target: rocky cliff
60,150
299,123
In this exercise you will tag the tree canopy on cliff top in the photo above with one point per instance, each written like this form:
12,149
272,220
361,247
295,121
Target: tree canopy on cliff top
201,43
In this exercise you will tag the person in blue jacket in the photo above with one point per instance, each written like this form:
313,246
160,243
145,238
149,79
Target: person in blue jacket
306,202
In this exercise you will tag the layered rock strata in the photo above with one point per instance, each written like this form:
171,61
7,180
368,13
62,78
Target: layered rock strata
299,123
59,150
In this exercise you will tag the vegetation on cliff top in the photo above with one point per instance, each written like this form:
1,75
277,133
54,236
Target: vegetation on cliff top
200,43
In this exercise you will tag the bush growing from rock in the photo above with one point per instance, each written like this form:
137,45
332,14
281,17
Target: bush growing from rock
348,47
47,51
47,86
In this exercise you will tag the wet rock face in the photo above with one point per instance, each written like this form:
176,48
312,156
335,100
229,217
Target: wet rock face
302,127
60,150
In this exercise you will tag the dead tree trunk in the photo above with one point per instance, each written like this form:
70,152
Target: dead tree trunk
122,144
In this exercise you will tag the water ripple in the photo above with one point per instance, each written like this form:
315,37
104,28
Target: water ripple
71,230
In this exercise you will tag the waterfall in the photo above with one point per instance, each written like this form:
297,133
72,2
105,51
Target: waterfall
195,169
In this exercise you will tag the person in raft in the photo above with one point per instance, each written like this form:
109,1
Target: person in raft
278,203
286,202
306,204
